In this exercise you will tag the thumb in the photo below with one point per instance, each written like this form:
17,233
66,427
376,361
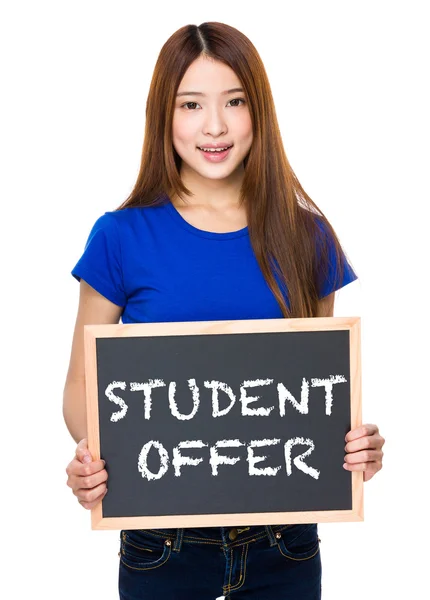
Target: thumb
82,452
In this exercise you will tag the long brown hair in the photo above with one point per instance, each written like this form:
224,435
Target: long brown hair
289,245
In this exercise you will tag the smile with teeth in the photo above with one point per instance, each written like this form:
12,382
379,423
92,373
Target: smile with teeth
214,149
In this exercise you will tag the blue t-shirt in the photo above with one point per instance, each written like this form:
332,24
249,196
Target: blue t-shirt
160,268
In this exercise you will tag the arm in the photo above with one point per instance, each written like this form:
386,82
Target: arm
363,444
93,309
86,477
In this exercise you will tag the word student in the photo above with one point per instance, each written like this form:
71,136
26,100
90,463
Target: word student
284,396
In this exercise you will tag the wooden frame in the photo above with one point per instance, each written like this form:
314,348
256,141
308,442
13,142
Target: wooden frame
92,332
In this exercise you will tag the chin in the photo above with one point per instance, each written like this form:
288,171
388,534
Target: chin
220,171
221,174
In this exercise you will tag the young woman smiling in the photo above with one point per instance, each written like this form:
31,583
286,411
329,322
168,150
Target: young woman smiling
217,227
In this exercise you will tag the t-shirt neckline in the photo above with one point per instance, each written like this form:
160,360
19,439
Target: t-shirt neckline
201,232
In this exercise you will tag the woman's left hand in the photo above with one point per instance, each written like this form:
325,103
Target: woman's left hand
364,450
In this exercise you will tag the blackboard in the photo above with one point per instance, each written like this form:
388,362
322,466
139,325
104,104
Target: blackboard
220,423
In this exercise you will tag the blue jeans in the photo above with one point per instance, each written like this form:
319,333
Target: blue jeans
253,563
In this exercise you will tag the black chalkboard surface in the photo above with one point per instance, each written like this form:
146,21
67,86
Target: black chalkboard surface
219,423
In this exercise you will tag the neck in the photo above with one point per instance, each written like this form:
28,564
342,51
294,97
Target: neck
211,193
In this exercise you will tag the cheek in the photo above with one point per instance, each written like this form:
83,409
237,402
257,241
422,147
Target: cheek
246,130
182,131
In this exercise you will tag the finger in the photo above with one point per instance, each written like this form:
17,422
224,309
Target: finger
367,475
371,467
363,430
373,442
82,452
90,505
91,481
78,469
364,456
90,495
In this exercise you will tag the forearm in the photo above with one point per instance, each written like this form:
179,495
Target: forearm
74,411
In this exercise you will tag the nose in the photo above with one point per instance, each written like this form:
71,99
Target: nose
214,124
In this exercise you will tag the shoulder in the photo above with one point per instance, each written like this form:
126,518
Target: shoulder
132,216
315,229
116,218
322,232
117,224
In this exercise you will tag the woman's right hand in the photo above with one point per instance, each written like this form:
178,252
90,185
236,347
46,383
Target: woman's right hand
86,477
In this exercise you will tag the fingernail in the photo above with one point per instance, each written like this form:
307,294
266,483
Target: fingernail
345,465
87,458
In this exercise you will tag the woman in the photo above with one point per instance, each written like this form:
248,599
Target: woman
217,227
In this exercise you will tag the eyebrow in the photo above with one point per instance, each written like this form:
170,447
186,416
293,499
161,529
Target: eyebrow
233,90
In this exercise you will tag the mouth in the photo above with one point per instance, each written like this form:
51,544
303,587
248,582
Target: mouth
215,154
215,150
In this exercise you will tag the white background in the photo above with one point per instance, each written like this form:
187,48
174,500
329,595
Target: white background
350,87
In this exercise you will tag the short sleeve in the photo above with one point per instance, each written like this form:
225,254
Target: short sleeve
330,277
100,264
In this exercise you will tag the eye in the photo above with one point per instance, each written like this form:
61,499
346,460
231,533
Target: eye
238,100
196,103
186,105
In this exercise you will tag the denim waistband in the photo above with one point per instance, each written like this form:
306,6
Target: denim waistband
228,537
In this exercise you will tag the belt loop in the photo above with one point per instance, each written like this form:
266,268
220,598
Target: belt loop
178,540
271,535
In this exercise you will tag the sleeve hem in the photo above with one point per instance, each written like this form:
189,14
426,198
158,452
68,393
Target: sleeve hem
342,285
99,286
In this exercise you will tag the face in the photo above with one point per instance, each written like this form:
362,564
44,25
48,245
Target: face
211,117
